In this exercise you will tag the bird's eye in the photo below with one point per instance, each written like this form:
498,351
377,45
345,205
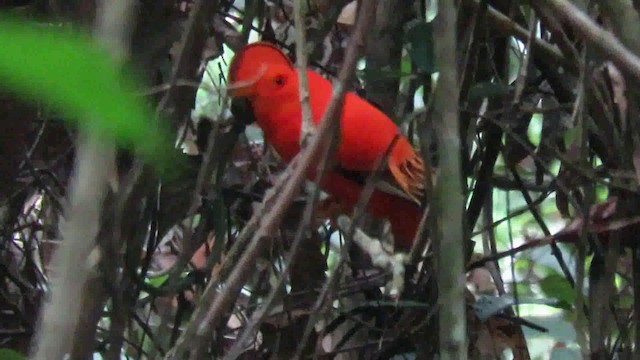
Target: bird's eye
280,80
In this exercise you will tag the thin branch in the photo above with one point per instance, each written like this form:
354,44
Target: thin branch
301,68
557,237
581,319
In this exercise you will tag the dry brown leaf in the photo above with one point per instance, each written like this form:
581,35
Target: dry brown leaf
482,281
508,335
489,339
348,14
619,88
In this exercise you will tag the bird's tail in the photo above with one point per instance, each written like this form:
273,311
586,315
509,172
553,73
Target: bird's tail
408,169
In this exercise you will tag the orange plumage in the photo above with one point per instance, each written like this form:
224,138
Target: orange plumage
269,79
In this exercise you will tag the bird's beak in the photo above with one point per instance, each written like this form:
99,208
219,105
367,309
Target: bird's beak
246,87
240,89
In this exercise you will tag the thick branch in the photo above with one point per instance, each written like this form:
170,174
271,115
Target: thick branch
75,257
448,193
502,22
598,37
60,315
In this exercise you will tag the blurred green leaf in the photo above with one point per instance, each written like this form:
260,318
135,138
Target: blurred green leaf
523,264
556,286
73,74
602,192
157,281
9,354
514,59
405,65
534,132
419,38
524,290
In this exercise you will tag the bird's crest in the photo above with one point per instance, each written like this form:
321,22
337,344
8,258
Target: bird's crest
247,62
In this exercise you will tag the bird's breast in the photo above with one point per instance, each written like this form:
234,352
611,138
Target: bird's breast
281,126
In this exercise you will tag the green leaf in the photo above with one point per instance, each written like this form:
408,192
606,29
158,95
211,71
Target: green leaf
556,286
522,264
405,65
9,354
73,74
419,39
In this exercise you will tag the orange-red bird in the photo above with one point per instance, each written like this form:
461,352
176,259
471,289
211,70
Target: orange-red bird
267,77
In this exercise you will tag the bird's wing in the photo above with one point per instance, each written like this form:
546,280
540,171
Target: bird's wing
387,183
